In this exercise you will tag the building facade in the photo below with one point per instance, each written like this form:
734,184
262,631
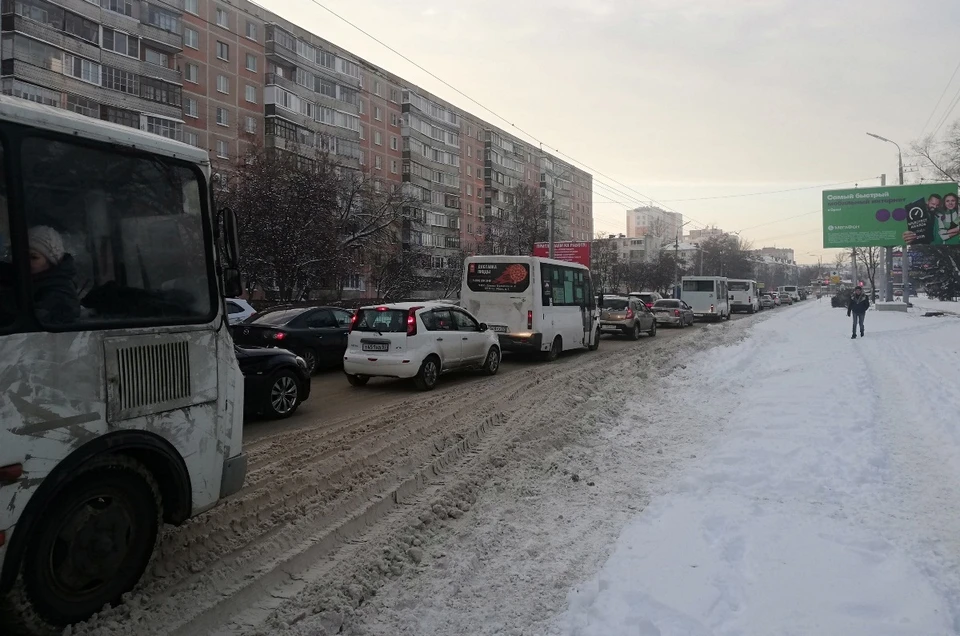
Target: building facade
651,220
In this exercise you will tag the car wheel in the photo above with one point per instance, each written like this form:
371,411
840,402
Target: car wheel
428,375
596,341
555,349
284,396
310,357
635,334
91,544
653,329
492,363
357,380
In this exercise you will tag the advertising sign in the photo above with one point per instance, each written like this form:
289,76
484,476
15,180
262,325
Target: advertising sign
498,277
923,214
570,251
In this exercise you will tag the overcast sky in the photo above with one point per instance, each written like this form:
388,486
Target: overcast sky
682,99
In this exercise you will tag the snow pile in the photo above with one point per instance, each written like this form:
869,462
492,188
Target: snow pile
829,504
932,304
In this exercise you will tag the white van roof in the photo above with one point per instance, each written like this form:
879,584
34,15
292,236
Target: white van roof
27,113
498,258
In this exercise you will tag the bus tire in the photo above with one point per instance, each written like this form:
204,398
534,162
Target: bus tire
555,349
596,341
112,511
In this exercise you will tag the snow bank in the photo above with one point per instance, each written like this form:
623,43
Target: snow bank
828,504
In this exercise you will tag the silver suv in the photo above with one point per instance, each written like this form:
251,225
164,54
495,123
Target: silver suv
627,316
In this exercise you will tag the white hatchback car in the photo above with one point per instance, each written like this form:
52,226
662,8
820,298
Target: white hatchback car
238,310
419,341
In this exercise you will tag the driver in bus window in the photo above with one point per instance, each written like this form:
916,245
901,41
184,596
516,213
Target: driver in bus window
55,297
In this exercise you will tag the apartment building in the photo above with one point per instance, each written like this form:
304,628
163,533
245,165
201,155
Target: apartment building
651,220
472,223
115,60
381,141
567,192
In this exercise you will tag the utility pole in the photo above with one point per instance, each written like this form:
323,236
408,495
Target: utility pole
553,204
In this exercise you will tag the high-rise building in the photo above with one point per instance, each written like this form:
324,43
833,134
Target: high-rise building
653,221
567,193
114,60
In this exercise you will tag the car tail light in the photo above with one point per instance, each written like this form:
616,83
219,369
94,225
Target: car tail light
676,312
353,321
649,305
412,321
629,314
530,319
279,335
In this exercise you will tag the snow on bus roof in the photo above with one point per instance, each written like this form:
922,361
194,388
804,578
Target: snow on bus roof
27,113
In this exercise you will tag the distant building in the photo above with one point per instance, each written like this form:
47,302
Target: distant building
653,221
784,254
705,233
642,249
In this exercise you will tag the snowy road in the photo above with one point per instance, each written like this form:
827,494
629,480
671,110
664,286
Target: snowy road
795,482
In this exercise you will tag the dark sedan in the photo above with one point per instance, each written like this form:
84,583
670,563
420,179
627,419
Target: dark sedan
316,334
275,381
672,311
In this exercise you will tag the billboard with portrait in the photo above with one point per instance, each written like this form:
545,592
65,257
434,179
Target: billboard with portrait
922,214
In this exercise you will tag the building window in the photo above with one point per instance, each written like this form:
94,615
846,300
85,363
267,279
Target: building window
164,127
190,107
251,94
251,62
394,144
469,172
118,6
83,106
469,151
223,20
191,38
81,68
81,27
377,113
395,95
223,118
394,119
363,108
393,166
251,30
121,43
222,149
192,6
250,125
123,81
191,73
363,132
223,50
223,84
191,138
378,162
156,57
376,88
120,116
377,138
163,19
159,91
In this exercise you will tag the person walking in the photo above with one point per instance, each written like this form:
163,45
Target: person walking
857,307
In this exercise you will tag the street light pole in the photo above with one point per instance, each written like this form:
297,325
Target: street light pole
904,261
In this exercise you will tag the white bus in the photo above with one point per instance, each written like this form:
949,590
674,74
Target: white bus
743,295
708,296
790,290
121,402
534,304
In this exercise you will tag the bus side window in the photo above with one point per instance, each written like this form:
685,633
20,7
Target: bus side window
123,233
8,296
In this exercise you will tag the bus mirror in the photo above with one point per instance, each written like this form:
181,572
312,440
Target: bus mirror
232,239
232,283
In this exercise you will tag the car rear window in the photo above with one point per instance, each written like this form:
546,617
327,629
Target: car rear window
381,320
615,304
280,317
667,303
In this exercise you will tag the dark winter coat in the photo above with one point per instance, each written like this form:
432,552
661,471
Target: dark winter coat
858,305
55,297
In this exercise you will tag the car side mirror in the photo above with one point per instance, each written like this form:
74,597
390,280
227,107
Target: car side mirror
484,327
232,282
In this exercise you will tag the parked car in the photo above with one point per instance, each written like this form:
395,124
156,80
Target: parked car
628,316
238,310
419,341
316,334
786,299
672,311
647,298
766,302
776,299
275,381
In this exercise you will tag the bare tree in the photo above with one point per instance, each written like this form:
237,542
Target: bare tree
521,225
870,258
304,221
840,261
726,255
605,265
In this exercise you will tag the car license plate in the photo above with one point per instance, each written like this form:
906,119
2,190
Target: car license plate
375,346
498,328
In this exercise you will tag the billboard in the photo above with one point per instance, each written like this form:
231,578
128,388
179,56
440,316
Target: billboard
923,214
571,251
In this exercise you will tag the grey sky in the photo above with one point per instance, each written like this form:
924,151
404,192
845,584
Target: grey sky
682,98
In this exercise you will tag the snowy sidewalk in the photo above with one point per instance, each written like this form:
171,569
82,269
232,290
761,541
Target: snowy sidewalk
829,503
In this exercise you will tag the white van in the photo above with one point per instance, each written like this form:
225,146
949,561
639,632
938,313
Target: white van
533,304
790,290
743,295
708,296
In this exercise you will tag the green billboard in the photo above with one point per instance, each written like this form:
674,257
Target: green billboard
923,214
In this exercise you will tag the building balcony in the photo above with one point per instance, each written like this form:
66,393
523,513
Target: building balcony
160,38
10,23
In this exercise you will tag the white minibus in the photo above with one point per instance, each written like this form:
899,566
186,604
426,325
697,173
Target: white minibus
708,296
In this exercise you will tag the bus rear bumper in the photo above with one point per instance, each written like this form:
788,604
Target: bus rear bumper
519,343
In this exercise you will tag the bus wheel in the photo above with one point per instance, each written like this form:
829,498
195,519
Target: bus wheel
554,352
93,542
596,341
